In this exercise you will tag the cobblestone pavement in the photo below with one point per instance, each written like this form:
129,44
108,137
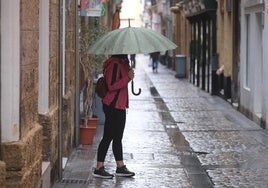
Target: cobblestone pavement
178,136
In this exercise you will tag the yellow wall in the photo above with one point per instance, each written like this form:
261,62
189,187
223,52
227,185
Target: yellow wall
224,38
182,37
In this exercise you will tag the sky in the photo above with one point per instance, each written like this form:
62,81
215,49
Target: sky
131,9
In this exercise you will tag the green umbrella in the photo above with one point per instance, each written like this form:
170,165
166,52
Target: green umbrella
131,40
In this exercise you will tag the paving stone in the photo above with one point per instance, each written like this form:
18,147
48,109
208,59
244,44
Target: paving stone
177,136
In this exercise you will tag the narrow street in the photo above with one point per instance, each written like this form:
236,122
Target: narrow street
177,136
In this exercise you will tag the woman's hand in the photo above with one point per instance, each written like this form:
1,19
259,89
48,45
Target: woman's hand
131,74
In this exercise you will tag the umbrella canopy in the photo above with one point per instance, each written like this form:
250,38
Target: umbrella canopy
131,40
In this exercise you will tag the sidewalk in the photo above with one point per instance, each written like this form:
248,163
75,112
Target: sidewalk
178,136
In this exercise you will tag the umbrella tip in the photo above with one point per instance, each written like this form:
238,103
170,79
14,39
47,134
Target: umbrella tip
128,22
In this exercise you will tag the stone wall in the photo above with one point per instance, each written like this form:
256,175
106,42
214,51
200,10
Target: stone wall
29,37
21,164
50,153
2,173
53,53
50,121
69,98
23,160
68,124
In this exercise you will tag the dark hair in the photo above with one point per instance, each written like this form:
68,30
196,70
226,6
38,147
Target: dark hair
120,56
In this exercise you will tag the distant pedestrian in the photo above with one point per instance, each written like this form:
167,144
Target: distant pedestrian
165,58
133,60
117,75
155,58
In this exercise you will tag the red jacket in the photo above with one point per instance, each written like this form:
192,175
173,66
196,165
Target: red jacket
118,85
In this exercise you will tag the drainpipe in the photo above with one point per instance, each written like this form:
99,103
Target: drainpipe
77,76
61,59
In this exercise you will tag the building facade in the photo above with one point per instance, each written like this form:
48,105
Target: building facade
37,44
157,16
253,77
228,37
221,59
195,32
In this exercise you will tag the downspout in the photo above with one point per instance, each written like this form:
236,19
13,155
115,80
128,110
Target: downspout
77,76
61,49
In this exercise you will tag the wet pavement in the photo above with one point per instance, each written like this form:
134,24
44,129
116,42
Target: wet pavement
177,136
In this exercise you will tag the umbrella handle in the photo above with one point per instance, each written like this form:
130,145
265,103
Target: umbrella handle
132,89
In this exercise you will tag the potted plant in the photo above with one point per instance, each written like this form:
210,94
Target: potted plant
91,66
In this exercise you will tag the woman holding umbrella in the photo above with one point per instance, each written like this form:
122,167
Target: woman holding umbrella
117,75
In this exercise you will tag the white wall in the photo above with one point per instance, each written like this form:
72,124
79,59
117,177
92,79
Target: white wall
43,94
253,95
10,70
265,60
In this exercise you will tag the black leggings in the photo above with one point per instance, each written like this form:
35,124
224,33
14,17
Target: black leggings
114,126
